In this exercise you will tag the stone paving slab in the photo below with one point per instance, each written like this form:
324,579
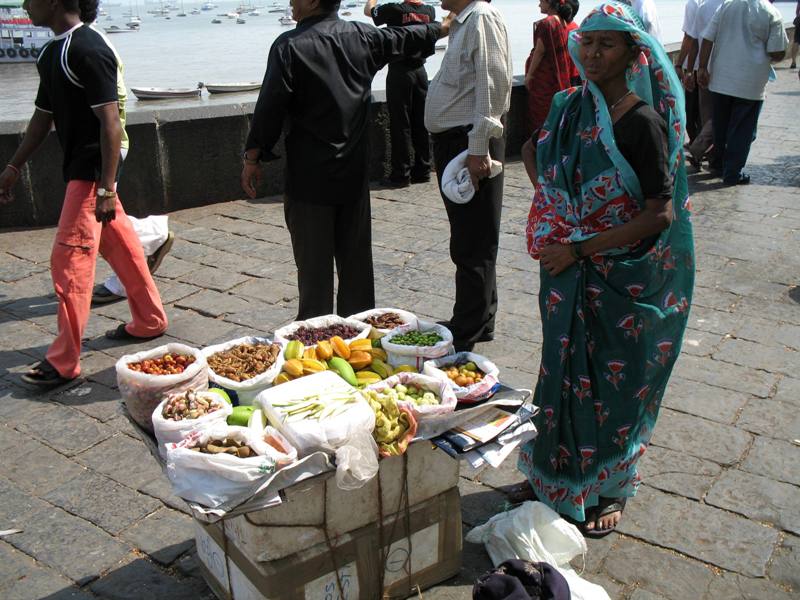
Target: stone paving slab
717,515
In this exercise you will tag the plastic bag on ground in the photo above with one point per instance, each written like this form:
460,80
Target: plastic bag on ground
399,354
169,431
141,392
323,321
213,479
409,319
244,392
535,532
447,398
470,393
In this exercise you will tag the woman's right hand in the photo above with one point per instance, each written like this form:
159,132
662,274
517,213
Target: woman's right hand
8,178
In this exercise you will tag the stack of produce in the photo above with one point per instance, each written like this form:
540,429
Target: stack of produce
244,361
395,426
471,376
359,363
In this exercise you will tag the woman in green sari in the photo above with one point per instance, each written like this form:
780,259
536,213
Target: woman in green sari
610,226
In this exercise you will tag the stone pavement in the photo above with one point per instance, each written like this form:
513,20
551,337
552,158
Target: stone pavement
718,515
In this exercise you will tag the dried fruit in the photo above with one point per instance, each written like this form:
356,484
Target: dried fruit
169,364
312,335
244,361
387,320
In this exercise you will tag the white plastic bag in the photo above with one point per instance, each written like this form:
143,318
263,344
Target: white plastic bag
327,434
470,393
416,356
171,432
244,392
142,392
409,319
323,321
213,479
356,462
447,399
535,532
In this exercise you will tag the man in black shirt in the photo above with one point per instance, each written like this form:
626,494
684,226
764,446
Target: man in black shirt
318,83
406,87
79,92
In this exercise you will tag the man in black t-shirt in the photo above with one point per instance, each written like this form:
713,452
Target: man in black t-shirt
406,87
79,93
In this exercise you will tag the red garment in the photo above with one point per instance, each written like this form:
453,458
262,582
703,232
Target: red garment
555,72
72,262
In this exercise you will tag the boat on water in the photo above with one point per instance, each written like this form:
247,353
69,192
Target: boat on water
227,88
346,13
287,20
254,13
240,21
20,40
118,29
216,21
158,93
208,6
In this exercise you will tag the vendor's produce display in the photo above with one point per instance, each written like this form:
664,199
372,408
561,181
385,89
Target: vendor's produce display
156,373
190,405
384,320
314,330
183,412
225,446
312,335
473,377
387,320
417,338
314,407
395,426
424,396
168,364
244,361
415,346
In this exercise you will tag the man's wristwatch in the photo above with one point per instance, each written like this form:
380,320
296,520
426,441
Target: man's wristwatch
104,193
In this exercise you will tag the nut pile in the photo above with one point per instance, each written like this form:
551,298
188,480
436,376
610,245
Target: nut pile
169,364
190,405
244,361
311,335
388,320
225,446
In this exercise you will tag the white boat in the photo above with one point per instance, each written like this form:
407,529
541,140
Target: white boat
240,21
208,6
276,10
20,40
195,11
287,19
232,15
254,13
156,93
118,29
228,88
216,21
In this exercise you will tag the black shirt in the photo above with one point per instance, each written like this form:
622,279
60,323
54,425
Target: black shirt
398,14
641,136
77,71
318,81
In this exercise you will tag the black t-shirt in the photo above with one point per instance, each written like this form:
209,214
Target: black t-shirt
398,14
641,136
77,71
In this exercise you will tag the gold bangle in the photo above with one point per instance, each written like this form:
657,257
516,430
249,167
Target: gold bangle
15,169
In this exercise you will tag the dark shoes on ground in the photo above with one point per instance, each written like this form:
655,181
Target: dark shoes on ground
741,179
421,178
44,375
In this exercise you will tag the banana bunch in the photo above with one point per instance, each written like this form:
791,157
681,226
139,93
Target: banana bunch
360,363
391,423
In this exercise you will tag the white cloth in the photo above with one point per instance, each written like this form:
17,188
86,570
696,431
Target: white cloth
152,232
456,183
689,17
473,85
744,32
646,9
533,531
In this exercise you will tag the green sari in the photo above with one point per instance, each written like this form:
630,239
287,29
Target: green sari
613,323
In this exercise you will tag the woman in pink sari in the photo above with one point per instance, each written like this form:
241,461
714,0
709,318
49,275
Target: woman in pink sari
549,68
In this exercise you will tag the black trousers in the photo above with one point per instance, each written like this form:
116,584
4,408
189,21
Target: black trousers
734,121
693,121
326,234
405,96
474,241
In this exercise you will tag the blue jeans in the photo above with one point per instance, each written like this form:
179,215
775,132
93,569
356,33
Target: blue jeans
734,122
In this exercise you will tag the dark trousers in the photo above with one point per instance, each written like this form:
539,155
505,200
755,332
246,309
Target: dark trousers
693,119
734,122
323,235
405,96
474,240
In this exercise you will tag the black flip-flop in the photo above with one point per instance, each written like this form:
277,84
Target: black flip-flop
44,375
120,334
605,507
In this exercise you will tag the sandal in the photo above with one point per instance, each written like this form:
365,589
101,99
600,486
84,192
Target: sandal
154,260
520,492
44,375
606,506
121,334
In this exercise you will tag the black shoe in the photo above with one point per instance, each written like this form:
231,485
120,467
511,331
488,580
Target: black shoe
395,183
741,179
793,65
421,178
486,336
102,295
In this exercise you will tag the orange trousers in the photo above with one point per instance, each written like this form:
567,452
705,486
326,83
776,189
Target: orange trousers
72,265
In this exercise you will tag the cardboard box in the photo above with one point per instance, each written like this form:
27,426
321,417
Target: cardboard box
422,547
311,505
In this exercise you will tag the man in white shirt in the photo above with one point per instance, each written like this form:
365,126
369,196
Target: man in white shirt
701,143
686,71
464,111
741,40
646,10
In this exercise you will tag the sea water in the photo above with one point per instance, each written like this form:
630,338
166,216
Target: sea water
182,51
